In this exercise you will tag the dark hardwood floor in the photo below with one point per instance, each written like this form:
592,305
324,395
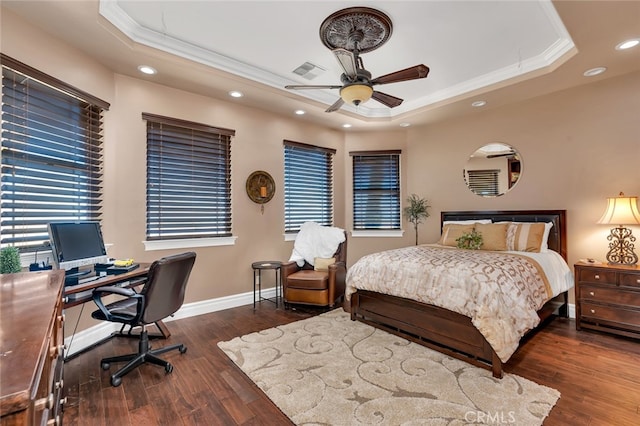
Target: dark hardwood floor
598,376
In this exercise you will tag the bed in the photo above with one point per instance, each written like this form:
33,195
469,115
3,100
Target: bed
443,329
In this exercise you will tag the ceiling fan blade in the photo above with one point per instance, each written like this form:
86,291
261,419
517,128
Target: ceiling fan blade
336,106
412,73
505,154
385,99
304,87
347,61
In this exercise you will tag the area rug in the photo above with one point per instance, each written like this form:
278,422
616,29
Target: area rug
330,370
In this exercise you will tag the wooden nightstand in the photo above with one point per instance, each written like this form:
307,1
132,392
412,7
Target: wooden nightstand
608,298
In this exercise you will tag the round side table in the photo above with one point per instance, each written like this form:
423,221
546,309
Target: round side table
258,267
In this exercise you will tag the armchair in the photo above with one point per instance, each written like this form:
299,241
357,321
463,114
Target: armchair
306,285
161,296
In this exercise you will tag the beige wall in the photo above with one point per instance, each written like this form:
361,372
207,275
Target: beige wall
578,147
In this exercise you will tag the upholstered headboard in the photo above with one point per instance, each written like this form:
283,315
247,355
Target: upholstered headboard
557,236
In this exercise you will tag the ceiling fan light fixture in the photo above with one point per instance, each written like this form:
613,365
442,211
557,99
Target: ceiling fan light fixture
356,93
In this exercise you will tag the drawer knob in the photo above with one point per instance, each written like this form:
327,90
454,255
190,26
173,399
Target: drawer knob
597,277
592,293
593,311
638,281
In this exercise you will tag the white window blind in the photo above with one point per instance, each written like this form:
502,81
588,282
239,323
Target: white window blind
188,179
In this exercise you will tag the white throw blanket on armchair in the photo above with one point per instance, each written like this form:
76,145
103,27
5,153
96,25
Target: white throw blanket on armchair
314,241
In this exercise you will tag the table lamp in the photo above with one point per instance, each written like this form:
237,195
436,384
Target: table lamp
620,211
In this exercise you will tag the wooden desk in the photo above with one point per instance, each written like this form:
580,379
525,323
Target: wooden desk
31,348
82,293
134,278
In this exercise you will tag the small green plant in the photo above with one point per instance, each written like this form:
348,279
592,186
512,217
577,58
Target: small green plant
470,241
416,211
10,260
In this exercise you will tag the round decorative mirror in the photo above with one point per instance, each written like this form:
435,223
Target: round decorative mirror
493,169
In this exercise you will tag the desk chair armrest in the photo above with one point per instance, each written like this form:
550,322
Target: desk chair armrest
107,290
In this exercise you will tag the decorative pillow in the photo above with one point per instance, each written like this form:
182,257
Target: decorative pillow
494,235
465,222
450,233
528,236
322,264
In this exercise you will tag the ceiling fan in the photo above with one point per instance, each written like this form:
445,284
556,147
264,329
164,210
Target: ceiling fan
348,33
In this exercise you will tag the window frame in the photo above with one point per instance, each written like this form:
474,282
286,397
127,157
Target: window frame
389,188
206,155
302,161
57,139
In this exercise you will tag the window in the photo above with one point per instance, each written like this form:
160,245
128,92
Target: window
376,190
188,179
51,155
308,185
483,182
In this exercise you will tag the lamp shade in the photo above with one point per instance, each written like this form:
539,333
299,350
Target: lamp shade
621,210
356,93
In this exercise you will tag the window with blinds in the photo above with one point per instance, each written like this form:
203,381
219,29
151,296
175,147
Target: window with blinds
483,182
188,179
376,190
308,185
51,155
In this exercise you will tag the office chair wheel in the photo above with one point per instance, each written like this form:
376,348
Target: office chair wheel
168,368
105,365
182,349
115,381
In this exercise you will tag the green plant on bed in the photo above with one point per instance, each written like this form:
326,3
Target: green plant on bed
9,260
470,241
416,211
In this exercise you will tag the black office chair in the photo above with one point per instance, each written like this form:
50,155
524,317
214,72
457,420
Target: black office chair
161,296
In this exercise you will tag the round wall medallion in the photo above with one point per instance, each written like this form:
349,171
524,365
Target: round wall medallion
260,187
368,28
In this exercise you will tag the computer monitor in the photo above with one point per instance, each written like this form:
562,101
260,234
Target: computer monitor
76,244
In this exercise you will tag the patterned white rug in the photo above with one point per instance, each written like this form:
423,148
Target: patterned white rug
331,370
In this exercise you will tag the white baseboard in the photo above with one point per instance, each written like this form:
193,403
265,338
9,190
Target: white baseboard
85,338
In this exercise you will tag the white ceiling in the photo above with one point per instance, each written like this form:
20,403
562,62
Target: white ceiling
498,51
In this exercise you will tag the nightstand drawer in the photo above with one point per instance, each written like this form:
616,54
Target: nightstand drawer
629,280
609,295
597,276
591,312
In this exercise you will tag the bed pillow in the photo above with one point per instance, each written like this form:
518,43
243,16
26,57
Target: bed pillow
529,236
322,264
465,222
494,235
452,232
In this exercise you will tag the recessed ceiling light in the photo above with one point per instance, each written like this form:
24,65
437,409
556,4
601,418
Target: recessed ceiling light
594,71
628,44
346,125
300,112
146,69
236,94
405,124
478,104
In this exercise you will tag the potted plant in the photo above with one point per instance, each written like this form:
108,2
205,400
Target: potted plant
416,211
10,260
470,241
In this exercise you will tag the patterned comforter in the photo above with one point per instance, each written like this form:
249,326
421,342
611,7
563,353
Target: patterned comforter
501,292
